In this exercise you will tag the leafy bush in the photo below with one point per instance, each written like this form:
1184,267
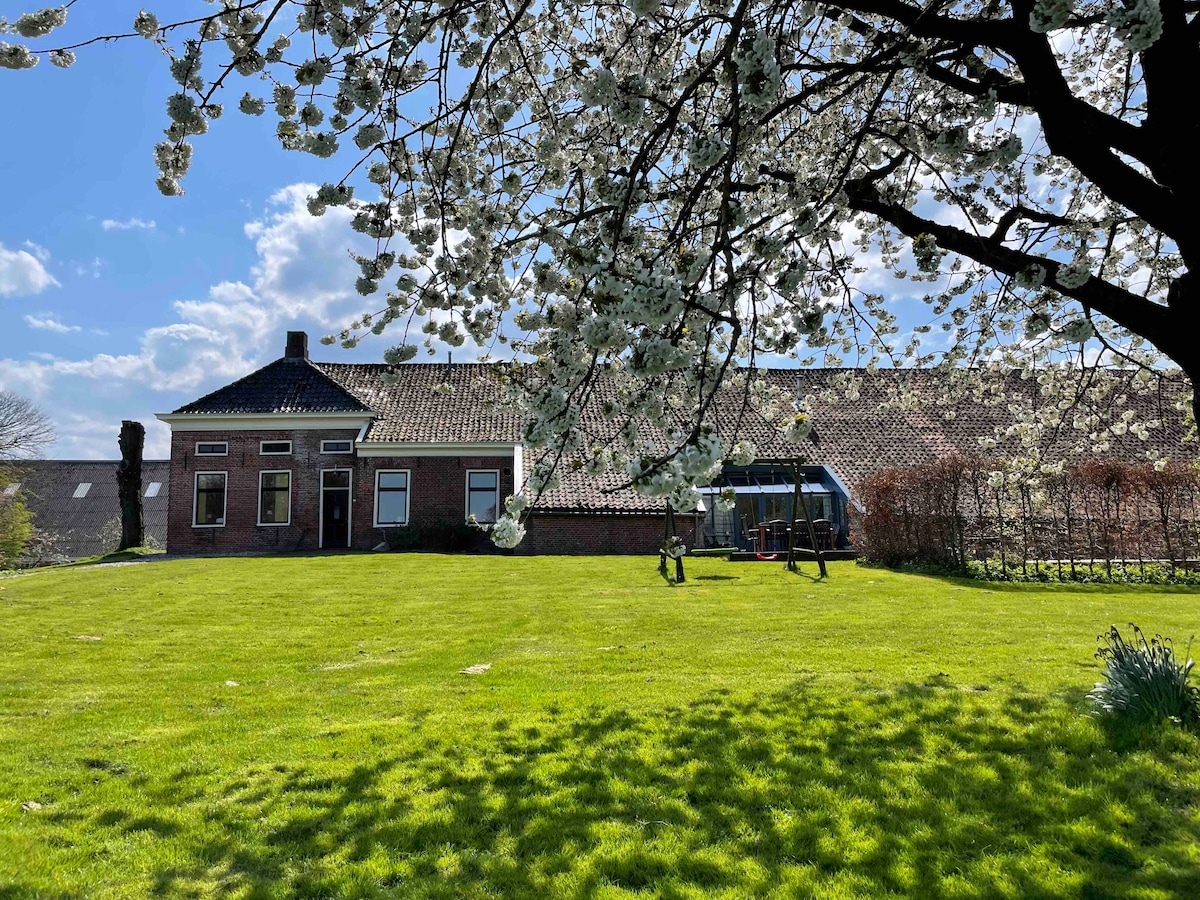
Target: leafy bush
1056,573
1144,681
1005,520
439,538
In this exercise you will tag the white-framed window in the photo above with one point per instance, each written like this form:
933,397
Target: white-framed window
208,500
337,447
274,448
275,497
212,448
391,497
81,490
152,489
483,495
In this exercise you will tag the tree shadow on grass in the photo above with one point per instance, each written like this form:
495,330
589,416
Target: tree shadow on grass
923,791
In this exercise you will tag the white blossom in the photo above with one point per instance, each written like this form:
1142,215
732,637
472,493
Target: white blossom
146,24
507,532
40,23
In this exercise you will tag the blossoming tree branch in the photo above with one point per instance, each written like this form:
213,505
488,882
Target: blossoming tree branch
654,196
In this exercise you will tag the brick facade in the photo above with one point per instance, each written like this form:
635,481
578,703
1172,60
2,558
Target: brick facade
601,533
437,490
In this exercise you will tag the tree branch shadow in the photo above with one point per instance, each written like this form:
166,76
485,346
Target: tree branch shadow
908,791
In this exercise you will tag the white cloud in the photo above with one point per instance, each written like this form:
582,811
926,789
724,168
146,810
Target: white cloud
303,275
22,272
37,250
50,322
88,436
128,224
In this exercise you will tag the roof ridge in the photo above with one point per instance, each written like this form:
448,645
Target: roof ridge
316,368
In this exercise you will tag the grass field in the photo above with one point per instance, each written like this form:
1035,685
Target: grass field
298,726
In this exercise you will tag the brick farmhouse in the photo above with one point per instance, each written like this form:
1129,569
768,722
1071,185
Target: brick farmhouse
304,455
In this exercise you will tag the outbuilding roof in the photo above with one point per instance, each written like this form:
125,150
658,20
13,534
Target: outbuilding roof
75,502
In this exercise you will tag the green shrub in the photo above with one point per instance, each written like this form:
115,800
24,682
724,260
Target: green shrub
15,527
1144,681
438,538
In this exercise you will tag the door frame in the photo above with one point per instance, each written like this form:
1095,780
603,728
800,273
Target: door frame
349,489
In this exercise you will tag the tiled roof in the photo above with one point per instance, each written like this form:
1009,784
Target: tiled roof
88,525
288,385
854,434
412,409
856,437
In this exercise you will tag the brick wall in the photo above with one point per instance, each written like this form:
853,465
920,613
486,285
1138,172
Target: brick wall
600,534
243,464
437,490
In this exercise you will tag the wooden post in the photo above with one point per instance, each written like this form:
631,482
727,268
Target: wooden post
812,534
662,554
796,499
671,533
129,484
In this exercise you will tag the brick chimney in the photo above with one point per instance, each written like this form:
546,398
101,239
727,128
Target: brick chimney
297,345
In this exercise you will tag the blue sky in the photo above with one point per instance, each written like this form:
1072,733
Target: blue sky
118,302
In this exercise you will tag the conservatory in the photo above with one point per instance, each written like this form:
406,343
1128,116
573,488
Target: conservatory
763,509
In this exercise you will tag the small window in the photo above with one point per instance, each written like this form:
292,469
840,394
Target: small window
152,489
275,448
483,495
391,497
335,478
212,448
81,490
11,489
274,498
208,508
337,446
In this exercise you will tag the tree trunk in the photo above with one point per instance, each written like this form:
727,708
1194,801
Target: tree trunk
129,484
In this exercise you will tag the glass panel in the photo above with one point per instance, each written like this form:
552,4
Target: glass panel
747,509
821,506
275,506
393,480
210,504
277,447
212,449
391,507
482,506
153,489
210,482
81,490
336,446
482,480
275,480
335,479
779,507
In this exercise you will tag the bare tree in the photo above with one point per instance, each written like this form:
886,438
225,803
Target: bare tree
24,429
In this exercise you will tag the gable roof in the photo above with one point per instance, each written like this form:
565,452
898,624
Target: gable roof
860,427
412,409
288,385
88,525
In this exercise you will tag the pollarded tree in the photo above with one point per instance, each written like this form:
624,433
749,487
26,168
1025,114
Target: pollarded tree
662,191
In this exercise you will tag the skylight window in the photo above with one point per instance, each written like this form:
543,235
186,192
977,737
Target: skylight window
81,490
152,489
10,489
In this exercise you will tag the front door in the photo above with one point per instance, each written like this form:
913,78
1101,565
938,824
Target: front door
335,508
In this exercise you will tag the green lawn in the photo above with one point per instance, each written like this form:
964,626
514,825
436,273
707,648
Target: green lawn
299,727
